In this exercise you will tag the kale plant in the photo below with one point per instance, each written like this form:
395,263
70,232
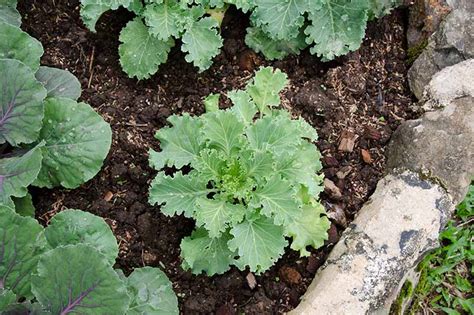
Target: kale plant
67,268
47,138
278,28
253,181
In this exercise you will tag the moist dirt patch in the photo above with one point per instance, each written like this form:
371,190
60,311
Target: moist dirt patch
355,103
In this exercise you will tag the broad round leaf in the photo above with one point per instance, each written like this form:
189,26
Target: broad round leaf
78,279
151,293
59,83
21,102
72,227
24,206
16,44
17,173
10,15
77,142
337,27
7,298
19,251
7,203
140,52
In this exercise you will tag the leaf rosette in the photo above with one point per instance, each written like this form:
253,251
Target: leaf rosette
253,180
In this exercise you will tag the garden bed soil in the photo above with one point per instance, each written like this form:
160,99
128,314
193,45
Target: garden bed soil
356,100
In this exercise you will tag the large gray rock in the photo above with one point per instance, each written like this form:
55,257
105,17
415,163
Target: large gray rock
451,44
450,83
439,145
392,232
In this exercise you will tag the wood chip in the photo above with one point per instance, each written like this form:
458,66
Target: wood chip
343,172
251,281
331,189
366,156
108,196
290,275
347,141
330,161
372,133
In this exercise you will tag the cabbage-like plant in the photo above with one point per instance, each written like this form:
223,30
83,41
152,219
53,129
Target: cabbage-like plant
253,181
67,268
49,139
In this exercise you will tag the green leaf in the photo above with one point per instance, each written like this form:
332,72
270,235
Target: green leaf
140,52
9,15
59,83
337,27
24,206
275,134
309,228
9,3
21,103
244,108
266,86
86,284
166,19
180,144
244,5
211,103
273,49
7,203
25,308
281,19
178,193
151,292
379,8
204,254
20,251
258,164
210,165
77,142
302,167
17,173
71,227
91,10
278,201
202,42
259,243
215,215
136,6
16,44
223,131
7,298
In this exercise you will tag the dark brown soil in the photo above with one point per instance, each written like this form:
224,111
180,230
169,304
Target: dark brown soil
361,97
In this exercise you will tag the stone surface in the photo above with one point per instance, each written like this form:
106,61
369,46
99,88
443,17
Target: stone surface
451,44
440,144
393,230
450,83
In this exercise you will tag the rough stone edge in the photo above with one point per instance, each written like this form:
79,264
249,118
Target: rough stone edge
369,265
